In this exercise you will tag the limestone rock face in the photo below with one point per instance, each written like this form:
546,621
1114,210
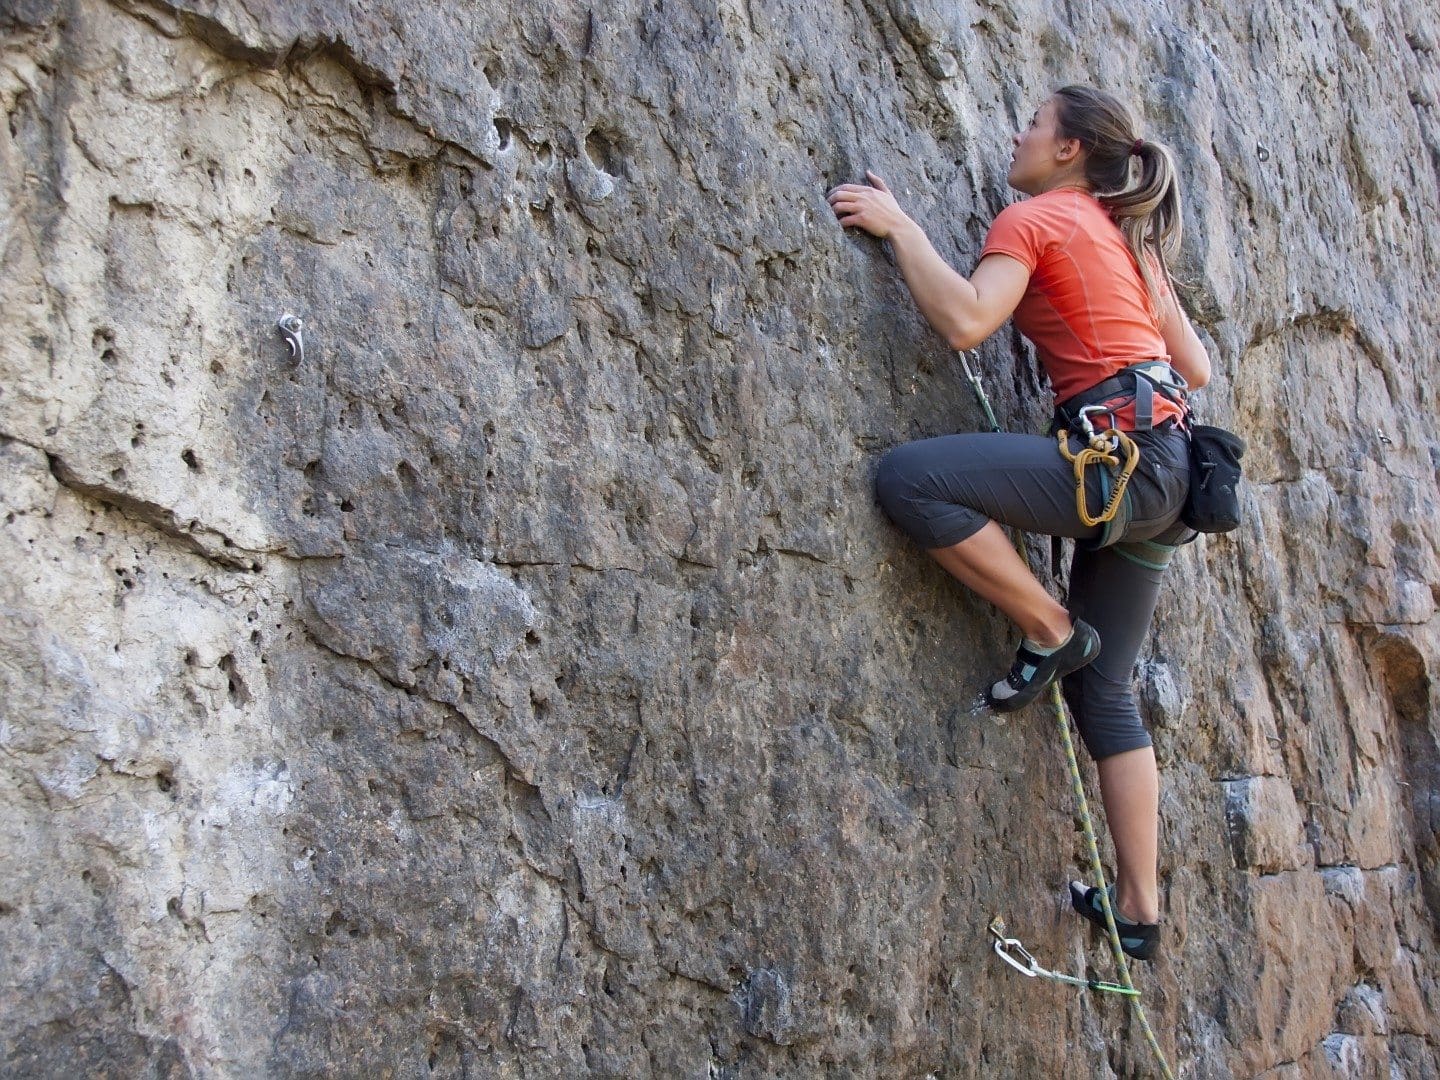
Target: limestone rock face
522,681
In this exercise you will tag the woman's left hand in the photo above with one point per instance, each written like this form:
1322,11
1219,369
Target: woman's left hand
873,209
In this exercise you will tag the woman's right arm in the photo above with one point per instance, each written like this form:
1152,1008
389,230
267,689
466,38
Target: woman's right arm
1187,354
965,311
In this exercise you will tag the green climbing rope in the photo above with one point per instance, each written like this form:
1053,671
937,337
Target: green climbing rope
1087,826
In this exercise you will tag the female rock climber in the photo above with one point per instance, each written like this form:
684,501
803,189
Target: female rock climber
1081,265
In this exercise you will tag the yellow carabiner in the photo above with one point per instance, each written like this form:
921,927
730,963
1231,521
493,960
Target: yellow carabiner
1104,448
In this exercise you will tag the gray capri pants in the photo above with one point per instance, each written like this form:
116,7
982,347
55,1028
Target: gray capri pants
942,491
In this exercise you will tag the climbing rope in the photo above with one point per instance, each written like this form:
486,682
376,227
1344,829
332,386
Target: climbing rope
1005,947
1087,826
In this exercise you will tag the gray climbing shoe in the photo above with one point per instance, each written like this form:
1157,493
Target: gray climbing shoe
1140,940
1032,672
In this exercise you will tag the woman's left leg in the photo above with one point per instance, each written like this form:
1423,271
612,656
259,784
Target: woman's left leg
949,492
988,564
1130,790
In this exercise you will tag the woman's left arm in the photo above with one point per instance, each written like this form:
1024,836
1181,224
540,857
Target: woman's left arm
1186,351
964,312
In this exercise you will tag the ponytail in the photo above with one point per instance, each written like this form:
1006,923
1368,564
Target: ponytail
1147,207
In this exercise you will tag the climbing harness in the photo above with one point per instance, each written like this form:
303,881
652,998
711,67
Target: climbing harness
1104,448
1137,383
1008,948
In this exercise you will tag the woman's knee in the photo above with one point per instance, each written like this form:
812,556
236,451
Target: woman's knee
1105,713
895,480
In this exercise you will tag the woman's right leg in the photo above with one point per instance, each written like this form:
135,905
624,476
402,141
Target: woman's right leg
1117,597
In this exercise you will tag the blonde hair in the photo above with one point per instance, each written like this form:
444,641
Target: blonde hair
1147,207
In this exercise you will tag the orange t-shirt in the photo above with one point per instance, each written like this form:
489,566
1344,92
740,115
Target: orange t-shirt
1086,307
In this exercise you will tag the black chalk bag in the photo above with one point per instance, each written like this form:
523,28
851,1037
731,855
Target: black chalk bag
1213,505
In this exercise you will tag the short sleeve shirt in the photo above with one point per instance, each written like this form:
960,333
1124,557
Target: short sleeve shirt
1086,307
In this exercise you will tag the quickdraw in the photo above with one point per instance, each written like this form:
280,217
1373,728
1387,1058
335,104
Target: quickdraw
1008,948
1105,447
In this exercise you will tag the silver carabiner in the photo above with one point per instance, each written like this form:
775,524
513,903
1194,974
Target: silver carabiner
1090,432
1004,944
1002,950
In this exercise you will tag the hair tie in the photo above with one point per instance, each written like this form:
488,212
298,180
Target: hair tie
1137,146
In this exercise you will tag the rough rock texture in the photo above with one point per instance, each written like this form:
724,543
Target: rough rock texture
524,681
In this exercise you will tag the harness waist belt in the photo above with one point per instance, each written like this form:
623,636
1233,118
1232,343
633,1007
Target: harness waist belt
1137,382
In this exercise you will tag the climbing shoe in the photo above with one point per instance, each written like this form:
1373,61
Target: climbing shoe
1140,940
1035,667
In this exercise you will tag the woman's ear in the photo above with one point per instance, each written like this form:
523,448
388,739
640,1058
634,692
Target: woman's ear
1068,151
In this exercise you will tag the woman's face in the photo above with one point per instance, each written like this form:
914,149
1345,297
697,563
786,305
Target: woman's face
1040,154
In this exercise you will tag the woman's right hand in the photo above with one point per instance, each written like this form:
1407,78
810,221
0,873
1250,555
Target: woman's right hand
872,208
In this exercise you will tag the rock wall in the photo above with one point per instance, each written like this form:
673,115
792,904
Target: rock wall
523,681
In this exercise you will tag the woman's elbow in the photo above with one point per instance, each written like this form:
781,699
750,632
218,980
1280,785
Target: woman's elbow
1192,361
964,338
1199,373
